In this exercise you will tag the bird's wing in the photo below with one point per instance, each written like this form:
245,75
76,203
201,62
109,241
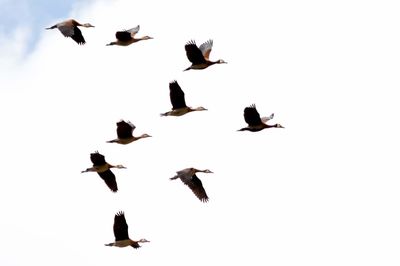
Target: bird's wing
251,116
267,118
196,186
109,179
124,129
120,227
97,159
176,95
66,30
134,30
205,48
123,36
77,36
193,53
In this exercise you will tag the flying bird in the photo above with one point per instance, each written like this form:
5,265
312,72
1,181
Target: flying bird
254,121
177,97
121,233
189,178
104,170
124,133
199,56
69,28
127,37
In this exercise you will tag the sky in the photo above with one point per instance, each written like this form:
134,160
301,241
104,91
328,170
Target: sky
321,191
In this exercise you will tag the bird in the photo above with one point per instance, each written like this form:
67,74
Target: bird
199,56
255,123
124,133
69,28
177,97
189,178
104,170
121,233
127,37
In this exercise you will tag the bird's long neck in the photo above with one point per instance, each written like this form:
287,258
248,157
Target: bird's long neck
119,166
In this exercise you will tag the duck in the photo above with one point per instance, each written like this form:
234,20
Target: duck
189,178
177,97
69,28
124,133
127,37
199,56
121,234
255,122
103,169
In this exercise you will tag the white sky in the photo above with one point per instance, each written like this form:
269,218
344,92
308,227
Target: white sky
322,191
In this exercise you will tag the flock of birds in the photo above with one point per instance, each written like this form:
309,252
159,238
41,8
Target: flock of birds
199,57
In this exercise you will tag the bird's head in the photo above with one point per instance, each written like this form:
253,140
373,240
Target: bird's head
88,25
119,166
143,240
279,126
201,108
145,136
111,43
220,61
147,38
204,171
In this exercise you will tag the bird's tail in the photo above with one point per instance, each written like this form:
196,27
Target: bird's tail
175,177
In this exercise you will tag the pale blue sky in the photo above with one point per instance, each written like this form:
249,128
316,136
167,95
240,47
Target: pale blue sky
35,14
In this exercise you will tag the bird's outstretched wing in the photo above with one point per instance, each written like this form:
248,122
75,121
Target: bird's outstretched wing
176,95
97,159
193,53
120,227
109,178
196,186
134,30
72,31
205,48
251,116
124,129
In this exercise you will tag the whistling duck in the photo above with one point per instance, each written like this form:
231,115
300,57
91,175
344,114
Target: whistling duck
103,169
255,123
121,234
177,97
127,37
189,178
199,56
69,28
124,133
